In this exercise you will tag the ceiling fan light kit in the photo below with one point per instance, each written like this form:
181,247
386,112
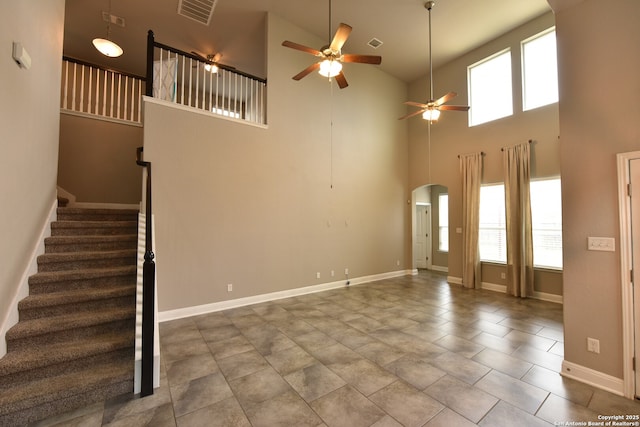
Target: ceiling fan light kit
330,68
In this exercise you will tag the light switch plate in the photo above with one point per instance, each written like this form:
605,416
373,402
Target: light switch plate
601,244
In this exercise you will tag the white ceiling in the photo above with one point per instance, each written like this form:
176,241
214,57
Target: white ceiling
237,29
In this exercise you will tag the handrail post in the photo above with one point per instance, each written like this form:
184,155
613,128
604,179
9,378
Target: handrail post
150,47
148,290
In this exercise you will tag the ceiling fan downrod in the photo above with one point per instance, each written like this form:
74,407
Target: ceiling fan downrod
429,5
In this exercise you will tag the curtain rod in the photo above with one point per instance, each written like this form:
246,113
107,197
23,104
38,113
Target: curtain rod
482,153
530,141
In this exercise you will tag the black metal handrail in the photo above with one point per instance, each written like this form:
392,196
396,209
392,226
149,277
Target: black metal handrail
148,289
100,67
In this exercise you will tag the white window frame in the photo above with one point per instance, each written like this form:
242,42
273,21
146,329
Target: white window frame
499,230
541,77
549,230
482,96
443,222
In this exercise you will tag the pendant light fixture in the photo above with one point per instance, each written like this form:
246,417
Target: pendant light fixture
106,46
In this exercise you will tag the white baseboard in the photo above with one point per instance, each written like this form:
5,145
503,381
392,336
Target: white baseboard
165,316
594,378
548,297
440,268
454,280
22,291
494,287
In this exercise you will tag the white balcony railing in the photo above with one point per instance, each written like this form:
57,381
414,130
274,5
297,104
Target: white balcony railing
91,90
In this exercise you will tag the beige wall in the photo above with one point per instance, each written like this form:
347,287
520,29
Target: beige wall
29,120
452,136
599,112
97,160
266,209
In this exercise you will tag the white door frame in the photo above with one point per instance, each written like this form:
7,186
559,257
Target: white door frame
626,263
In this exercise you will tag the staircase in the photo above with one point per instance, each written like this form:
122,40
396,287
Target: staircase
74,342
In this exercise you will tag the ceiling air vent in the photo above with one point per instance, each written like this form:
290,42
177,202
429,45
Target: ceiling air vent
375,43
198,10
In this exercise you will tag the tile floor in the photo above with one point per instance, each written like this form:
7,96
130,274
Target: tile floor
409,351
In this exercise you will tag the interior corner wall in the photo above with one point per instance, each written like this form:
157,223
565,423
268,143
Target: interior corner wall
436,162
322,188
29,123
599,113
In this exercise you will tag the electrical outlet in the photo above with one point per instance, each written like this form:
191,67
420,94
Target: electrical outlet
503,275
318,275
346,271
333,273
593,345
229,287
398,262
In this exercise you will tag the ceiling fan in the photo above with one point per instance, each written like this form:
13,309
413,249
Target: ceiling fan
331,56
431,110
211,62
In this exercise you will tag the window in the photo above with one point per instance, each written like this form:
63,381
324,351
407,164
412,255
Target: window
546,221
490,94
539,70
493,234
443,222
225,113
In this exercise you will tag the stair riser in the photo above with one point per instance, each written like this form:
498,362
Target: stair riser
70,334
93,231
95,283
57,310
115,355
30,414
84,264
90,246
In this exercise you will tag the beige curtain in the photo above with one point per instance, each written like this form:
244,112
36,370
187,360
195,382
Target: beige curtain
517,178
471,171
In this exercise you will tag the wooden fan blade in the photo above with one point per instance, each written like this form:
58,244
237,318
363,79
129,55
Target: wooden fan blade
341,80
415,113
362,59
341,36
302,48
454,107
306,71
416,104
202,58
445,98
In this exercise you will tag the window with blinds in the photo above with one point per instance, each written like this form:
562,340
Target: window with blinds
546,222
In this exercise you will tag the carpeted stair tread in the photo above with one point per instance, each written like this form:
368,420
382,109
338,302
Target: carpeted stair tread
46,390
84,274
38,327
70,227
85,242
81,260
51,354
101,214
74,296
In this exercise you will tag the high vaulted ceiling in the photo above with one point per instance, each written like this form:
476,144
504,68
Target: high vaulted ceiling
237,29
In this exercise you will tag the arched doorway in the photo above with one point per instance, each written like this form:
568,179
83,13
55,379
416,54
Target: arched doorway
430,231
